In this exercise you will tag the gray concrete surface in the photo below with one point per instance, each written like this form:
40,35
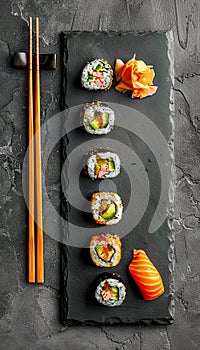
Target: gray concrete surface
30,313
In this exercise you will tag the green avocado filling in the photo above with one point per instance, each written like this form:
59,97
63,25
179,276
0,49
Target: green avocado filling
107,209
109,293
105,252
100,121
115,293
91,75
98,68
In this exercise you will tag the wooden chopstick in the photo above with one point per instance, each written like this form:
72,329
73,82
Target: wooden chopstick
31,234
38,172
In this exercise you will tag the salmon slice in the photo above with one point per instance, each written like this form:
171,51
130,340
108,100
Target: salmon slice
148,278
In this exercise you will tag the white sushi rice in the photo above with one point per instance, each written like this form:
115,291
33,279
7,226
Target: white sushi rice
103,155
97,203
112,283
89,114
108,74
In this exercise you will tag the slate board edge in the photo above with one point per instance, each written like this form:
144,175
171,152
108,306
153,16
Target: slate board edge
171,235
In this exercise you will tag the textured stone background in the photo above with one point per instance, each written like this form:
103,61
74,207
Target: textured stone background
30,313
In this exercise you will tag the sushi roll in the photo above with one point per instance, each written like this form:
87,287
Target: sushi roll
110,290
103,165
107,208
105,250
97,75
98,118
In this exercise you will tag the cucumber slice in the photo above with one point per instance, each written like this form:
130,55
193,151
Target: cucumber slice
104,119
94,124
98,68
111,165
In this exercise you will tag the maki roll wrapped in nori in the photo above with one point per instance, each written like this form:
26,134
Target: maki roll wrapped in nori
98,118
110,289
105,250
97,75
103,165
106,207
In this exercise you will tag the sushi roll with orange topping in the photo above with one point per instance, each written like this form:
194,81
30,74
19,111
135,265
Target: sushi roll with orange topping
105,250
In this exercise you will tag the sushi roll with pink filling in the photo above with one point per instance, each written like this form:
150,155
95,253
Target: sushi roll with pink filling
103,165
97,75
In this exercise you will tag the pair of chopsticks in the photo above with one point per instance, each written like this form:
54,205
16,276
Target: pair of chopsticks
35,240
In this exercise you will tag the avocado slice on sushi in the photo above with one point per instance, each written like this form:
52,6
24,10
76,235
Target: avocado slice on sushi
105,252
99,67
111,165
100,122
95,124
105,249
115,293
107,208
110,289
104,119
98,118
110,212
109,293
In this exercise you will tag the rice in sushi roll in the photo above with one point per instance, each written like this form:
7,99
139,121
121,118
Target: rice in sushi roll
105,250
103,165
107,208
110,290
98,118
97,75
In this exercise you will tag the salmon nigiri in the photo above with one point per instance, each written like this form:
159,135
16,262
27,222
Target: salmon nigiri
146,275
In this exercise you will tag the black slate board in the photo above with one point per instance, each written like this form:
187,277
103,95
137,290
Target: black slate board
78,273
